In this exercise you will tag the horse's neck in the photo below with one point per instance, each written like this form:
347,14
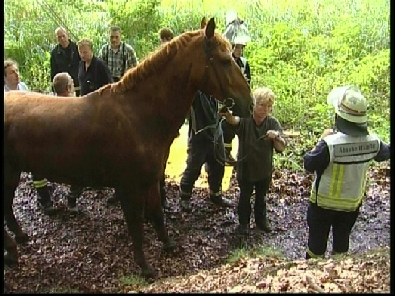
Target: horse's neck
175,94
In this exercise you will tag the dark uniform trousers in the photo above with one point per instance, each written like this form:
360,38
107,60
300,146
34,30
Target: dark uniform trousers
229,133
43,194
244,206
320,221
200,152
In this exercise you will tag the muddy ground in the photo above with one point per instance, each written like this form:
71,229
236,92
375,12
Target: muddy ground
92,252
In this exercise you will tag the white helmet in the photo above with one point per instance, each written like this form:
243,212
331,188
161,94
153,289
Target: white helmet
241,40
349,103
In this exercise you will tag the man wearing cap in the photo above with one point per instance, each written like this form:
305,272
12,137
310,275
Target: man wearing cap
340,161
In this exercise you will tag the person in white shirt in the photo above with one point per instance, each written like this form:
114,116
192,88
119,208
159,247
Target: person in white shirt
12,82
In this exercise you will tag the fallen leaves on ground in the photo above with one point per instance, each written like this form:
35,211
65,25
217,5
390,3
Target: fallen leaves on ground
93,252
368,272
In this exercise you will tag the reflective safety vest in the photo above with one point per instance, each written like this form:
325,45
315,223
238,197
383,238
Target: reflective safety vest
341,187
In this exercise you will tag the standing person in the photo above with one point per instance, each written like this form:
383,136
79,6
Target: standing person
203,113
12,82
259,136
118,55
93,72
65,57
165,35
63,86
238,45
340,161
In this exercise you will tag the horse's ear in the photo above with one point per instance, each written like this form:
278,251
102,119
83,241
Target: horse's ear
203,23
210,28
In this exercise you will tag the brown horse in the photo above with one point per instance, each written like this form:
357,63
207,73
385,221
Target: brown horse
119,136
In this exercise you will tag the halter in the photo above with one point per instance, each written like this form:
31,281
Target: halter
219,149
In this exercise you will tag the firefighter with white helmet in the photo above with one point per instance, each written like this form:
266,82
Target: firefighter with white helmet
237,33
340,161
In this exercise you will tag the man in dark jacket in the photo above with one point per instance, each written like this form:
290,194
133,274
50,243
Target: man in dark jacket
65,58
202,116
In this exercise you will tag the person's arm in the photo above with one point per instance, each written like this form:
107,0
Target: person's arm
132,60
106,78
276,134
233,120
318,159
278,140
247,72
102,53
384,152
54,67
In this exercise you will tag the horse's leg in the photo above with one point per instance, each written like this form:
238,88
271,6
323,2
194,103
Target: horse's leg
10,246
132,204
155,213
11,182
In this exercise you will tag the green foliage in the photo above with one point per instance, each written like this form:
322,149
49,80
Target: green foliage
133,280
301,49
260,251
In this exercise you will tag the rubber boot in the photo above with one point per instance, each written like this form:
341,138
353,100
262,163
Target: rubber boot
44,198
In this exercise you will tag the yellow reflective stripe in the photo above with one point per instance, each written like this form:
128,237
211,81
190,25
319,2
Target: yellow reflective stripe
342,204
226,145
312,255
334,180
339,181
41,183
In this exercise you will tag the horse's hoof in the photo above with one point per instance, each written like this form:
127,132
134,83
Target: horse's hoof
169,247
22,238
148,273
10,260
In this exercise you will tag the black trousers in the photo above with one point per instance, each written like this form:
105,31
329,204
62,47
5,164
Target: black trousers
320,221
229,132
43,194
200,152
244,206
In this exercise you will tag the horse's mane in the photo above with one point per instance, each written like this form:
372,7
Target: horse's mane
158,59
153,62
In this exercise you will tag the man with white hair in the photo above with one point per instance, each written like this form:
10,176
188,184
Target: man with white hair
63,85
340,161
65,57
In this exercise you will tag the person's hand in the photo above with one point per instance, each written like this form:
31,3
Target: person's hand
271,134
224,112
327,132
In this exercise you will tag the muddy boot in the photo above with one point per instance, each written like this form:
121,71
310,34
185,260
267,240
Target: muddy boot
112,201
185,202
45,201
72,199
242,229
264,226
221,201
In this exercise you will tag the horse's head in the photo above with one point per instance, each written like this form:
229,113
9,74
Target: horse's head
216,72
